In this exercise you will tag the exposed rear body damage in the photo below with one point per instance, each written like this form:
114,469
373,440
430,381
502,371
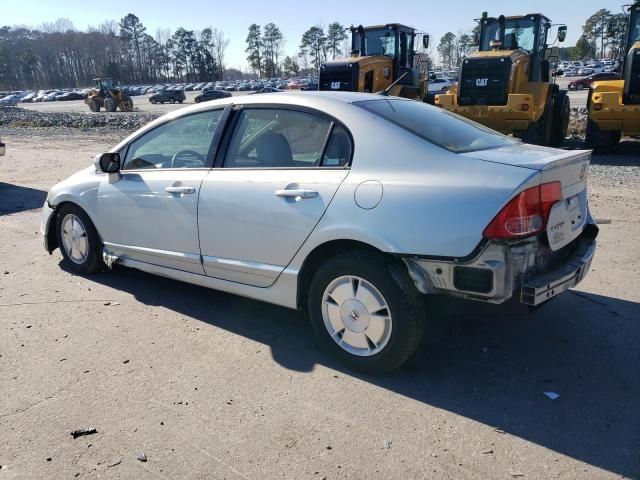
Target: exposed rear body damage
535,268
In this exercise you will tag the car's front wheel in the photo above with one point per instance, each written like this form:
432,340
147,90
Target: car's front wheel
78,239
366,311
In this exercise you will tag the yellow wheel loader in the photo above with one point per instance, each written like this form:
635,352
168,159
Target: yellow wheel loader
106,95
382,60
614,105
506,85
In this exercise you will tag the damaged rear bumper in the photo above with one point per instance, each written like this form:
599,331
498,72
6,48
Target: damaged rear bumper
528,269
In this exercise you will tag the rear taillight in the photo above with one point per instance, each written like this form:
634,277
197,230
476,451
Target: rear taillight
526,214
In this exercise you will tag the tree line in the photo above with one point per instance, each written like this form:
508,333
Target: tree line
265,49
56,55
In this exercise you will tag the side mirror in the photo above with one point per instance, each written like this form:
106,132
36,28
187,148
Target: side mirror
425,41
562,33
108,162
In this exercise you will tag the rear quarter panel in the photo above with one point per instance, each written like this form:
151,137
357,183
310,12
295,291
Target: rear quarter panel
434,202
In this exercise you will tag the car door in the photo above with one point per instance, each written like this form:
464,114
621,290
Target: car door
278,172
149,213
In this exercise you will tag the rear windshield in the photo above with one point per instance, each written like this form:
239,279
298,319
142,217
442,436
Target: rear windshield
438,126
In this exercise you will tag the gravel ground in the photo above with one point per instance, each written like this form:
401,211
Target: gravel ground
205,385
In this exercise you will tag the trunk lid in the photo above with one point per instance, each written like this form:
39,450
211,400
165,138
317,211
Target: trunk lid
568,217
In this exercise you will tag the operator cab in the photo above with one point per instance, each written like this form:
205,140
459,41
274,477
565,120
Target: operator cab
526,32
393,40
631,68
104,83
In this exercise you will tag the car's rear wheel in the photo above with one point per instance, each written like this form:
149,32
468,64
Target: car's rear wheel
366,311
78,239
153,101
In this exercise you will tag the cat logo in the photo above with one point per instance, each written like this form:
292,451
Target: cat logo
481,82
386,72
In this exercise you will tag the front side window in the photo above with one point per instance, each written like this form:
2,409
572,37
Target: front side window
275,138
180,143
436,125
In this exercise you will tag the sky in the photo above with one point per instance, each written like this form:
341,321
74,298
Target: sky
295,16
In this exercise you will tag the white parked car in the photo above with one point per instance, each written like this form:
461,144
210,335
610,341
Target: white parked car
439,85
9,101
353,207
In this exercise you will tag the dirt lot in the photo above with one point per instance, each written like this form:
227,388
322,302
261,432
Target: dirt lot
212,386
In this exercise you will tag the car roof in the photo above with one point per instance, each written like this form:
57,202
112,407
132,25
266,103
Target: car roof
332,103
315,99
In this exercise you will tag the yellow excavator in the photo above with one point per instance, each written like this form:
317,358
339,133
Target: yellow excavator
382,60
614,105
506,85
105,94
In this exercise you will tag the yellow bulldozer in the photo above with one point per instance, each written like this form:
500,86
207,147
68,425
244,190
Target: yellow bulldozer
105,94
506,85
382,60
614,105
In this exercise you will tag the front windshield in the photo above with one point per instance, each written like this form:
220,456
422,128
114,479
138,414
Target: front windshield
378,42
518,33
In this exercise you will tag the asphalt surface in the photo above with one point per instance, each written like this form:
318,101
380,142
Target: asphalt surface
212,386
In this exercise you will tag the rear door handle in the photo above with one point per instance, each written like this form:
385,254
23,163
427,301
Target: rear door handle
180,190
301,193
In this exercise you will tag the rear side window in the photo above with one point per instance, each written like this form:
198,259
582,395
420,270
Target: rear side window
275,138
436,125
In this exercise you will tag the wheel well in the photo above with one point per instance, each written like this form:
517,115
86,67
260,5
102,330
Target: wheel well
52,237
321,254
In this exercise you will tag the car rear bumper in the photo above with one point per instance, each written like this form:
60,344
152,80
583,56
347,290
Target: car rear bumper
545,287
528,269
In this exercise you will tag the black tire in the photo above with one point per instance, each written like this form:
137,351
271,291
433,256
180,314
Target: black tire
153,101
93,262
127,105
172,101
110,104
580,87
539,133
94,105
561,116
180,101
405,304
601,141
197,100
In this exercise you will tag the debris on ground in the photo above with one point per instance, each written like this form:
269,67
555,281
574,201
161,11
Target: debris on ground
109,465
83,431
142,457
20,117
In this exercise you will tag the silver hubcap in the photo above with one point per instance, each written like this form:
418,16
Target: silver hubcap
356,315
74,239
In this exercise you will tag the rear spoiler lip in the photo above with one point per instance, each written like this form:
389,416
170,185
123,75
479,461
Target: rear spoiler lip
563,159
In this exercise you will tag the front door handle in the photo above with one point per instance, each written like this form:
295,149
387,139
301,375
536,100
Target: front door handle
180,190
301,193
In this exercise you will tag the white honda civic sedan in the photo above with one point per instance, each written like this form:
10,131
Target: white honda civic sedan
353,207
